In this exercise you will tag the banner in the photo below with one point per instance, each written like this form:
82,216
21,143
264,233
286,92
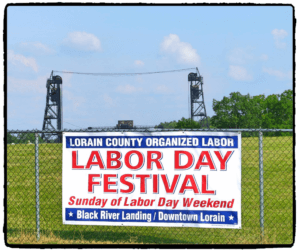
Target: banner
169,179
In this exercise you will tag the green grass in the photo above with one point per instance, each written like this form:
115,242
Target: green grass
278,201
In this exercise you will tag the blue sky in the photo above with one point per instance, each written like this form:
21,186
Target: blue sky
245,49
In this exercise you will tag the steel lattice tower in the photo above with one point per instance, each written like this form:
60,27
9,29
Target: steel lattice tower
53,110
198,110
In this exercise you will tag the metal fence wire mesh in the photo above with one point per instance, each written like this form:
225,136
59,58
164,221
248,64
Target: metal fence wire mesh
23,148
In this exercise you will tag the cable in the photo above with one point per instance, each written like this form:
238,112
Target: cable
122,74
72,124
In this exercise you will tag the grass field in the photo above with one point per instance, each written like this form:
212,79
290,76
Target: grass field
278,201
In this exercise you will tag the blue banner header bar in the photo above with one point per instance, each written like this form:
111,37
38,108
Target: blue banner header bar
151,141
153,215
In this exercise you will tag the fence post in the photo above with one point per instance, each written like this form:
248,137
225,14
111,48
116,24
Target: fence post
261,182
37,188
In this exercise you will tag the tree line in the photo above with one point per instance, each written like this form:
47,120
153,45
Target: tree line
235,111
245,111
22,138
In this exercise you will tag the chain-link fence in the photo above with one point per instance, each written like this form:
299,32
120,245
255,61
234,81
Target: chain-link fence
34,195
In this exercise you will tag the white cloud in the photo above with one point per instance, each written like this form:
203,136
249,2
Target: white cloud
127,89
139,79
280,75
37,48
239,73
109,102
18,59
290,74
76,100
239,56
21,85
264,57
66,77
183,52
162,89
139,63
36,85
83,41
279,35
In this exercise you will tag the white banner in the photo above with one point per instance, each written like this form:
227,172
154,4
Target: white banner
169,179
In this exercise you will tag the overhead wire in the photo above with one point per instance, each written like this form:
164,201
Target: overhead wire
122,74
72,124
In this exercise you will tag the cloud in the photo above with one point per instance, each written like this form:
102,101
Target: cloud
66,77
36,85
280,75
109,102
162,89
21,85
127,89
83,41
18,59
239,73
290,74
139,79
183,52
76,100
37,48
139,63
264,57
239,56
278,36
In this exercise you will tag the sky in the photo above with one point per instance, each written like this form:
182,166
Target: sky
246,49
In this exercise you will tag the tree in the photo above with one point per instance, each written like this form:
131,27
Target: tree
187,123
11,138
171,124
237,111
22,138
279,112
183,123
244,111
